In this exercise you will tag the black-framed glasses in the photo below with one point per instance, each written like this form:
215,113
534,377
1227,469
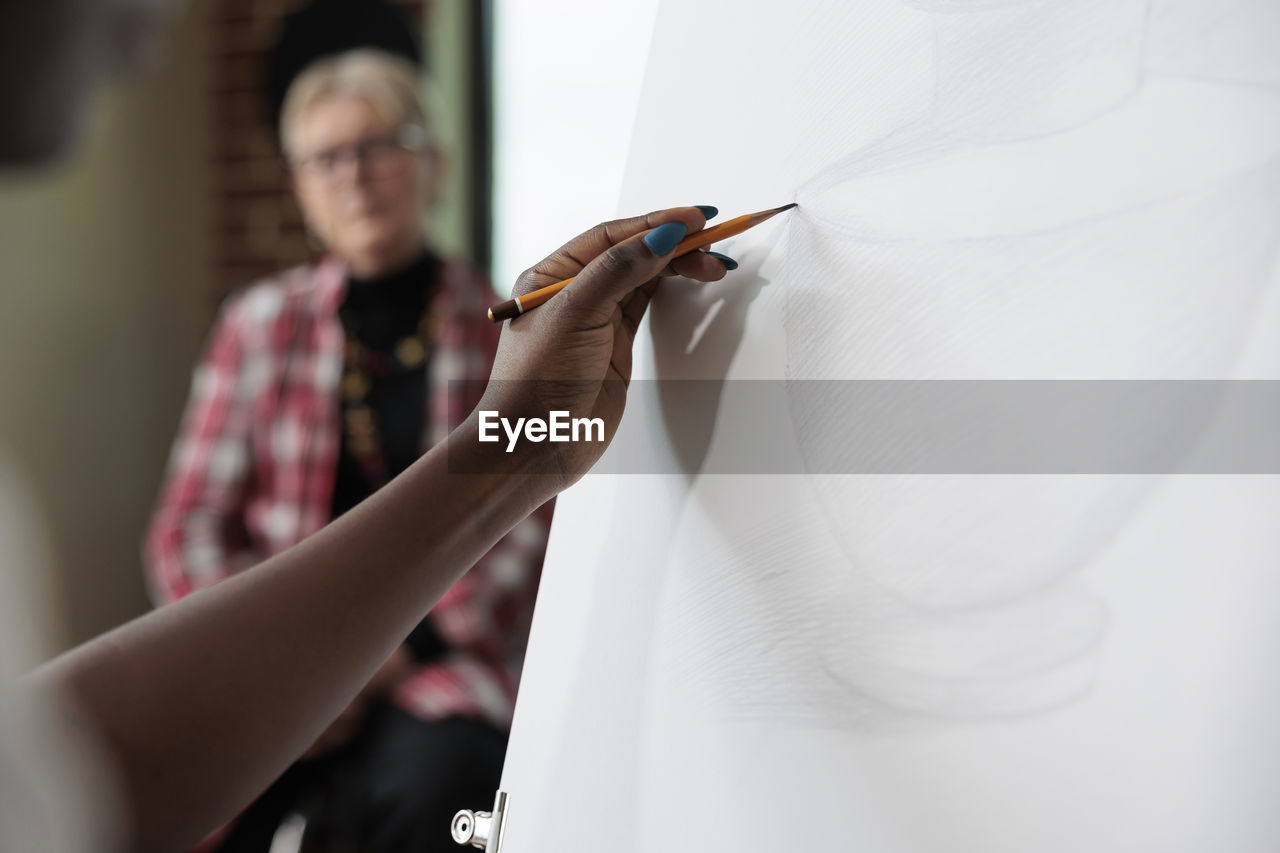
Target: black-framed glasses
373,152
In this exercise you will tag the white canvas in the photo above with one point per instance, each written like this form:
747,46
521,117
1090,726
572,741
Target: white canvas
1029,189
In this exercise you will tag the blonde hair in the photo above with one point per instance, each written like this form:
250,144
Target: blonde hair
388,82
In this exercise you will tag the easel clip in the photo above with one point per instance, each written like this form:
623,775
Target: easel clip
481,829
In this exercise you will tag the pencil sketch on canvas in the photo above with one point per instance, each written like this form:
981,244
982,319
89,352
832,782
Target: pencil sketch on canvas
991,190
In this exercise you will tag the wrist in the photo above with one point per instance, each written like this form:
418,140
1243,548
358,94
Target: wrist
527,475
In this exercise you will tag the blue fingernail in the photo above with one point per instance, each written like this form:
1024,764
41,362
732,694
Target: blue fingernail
664,238
708,211
729,263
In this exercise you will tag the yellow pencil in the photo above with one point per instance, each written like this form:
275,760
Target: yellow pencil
705,237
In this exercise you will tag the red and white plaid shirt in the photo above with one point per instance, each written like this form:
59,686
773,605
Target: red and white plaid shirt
252,471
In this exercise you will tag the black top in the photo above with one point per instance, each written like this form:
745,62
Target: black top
380,312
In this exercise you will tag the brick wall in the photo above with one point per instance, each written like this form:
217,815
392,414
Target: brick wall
259,227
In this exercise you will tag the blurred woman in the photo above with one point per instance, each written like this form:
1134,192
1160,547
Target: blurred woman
317,387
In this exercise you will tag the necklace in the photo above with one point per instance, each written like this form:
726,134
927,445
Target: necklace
361,366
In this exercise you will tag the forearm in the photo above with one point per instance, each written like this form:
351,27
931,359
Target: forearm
205,701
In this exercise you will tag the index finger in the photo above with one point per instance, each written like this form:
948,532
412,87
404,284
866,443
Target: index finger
572,257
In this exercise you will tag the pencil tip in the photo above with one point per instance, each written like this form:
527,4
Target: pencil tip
785,207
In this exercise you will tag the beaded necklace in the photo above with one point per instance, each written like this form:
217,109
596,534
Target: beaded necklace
360,368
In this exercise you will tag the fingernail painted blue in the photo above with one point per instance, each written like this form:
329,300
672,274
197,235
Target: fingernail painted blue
708,211
664,238
729,263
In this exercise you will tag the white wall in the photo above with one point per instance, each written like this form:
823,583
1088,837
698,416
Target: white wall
567,78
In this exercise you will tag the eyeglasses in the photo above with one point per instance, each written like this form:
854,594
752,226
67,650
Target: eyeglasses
375,153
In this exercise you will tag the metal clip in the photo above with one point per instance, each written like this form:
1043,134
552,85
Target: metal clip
481,829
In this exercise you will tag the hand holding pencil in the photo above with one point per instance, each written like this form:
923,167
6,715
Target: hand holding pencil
574,353
529,300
